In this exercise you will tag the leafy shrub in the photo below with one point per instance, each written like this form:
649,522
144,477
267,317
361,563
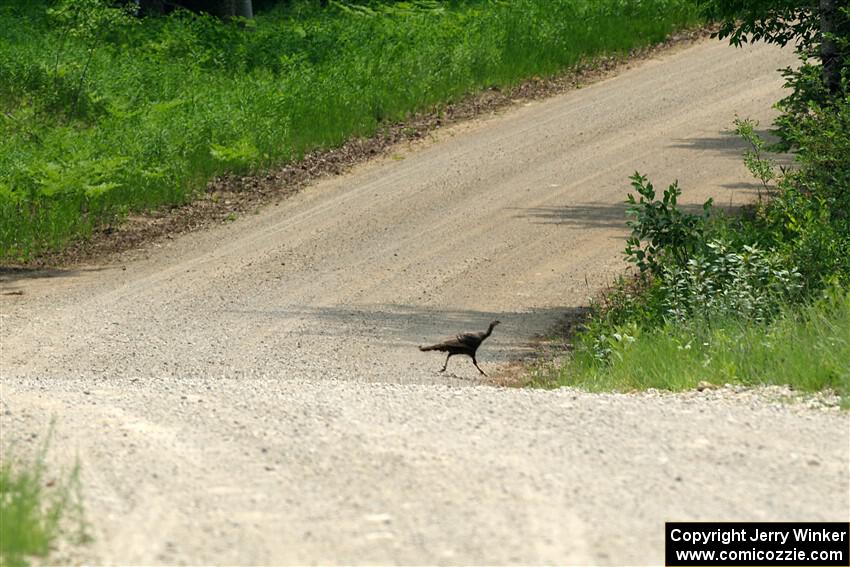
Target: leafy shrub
661,231
807,221
723,283
763,168
618,318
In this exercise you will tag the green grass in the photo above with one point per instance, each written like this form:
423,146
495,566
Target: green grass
167,103
33,508
806,347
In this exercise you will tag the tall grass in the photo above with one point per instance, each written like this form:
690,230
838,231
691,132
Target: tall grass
806,347
167,103
33,508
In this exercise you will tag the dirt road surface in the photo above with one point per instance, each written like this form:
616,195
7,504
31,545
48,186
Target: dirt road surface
254,394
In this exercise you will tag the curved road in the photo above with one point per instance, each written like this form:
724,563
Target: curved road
253,394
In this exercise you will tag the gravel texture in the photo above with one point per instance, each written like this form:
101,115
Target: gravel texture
253,394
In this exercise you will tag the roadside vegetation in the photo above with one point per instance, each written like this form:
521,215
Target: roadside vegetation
104,113
35,508
762,297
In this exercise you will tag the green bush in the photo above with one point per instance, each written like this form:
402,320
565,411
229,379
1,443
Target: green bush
811,215
807,221
807,347
722,283
661,232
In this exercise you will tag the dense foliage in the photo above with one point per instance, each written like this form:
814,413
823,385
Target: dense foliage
105,113
756,298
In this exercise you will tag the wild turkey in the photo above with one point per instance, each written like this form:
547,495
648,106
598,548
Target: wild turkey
465,343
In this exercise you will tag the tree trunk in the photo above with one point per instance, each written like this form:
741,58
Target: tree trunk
828,49
244,9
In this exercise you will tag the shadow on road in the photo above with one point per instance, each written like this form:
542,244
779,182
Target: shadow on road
730,144
10,275
408,326
582,215
591,215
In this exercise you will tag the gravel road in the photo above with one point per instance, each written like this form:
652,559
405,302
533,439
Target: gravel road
253,394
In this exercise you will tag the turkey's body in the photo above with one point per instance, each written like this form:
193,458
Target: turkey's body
465,343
